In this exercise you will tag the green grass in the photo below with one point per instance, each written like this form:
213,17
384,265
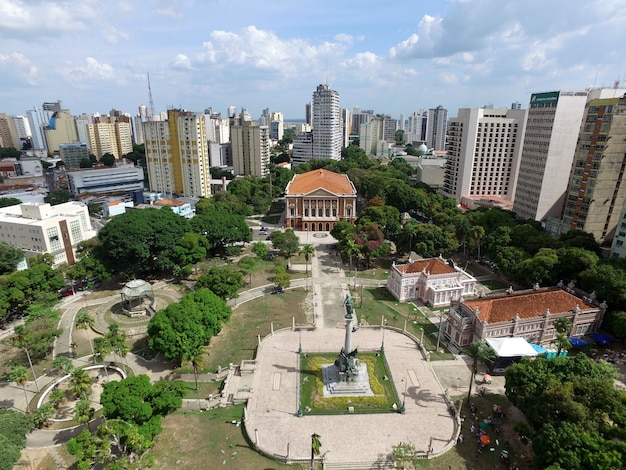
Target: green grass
192,440
238,339
492,284
204,389
312,385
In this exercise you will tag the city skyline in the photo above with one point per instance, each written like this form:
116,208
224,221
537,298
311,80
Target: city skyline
415,54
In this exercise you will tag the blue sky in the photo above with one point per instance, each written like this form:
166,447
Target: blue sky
392,56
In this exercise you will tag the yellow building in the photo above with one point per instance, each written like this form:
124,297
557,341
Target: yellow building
61,130
110,136
177,155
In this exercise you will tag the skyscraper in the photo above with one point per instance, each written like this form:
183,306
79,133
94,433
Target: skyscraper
327,135
110,135
596,192
437,128
552,127
177,156
8,132
484,147
61,129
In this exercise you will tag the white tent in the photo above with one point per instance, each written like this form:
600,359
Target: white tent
511,347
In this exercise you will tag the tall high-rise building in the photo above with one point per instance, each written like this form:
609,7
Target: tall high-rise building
72,154
552,127
22,127
437,128
61,129
177,156
327,135
416,127
38,118
8,132
277,125
597,191
346,122
359,117
484,147
110,135
250,147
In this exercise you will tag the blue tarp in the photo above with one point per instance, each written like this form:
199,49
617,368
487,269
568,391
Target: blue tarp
578,343
538,348
601,338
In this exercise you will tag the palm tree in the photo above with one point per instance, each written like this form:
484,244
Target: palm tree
352,248
83,412
410,229
195,355
462,230
64,364
102,347
308,251
19,375
22,340
115,337
80,382
562,342
563,325
84,321
315,447
43,414
477,233
478,351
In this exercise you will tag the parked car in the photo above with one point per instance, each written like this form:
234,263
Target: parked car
66,291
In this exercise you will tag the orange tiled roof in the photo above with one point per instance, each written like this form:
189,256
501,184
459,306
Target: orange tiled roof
168,202
432,265
321,178
526,305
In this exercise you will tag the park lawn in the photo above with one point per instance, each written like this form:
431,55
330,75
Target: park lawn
204,389
379,306
238,339
192,440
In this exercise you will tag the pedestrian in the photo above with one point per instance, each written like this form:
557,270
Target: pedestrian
473,428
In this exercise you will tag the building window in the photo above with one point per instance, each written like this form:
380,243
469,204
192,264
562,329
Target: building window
77,235
53,238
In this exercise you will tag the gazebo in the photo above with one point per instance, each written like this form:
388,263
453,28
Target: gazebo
137,297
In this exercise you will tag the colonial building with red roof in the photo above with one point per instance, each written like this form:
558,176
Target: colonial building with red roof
317,199
529,314
433,281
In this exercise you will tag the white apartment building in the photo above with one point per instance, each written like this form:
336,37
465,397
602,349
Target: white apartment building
250,147
327,133
484,148
436,128
39,228
552,128
177,155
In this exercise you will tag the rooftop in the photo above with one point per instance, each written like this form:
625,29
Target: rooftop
432,265
320,178
526,304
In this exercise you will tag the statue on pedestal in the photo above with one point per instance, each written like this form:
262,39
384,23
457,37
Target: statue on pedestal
347,363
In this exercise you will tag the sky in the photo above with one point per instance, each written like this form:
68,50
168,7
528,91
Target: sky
391,56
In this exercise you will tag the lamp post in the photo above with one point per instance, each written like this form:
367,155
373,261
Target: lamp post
403,408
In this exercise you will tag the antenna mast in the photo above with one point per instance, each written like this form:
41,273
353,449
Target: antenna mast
152,111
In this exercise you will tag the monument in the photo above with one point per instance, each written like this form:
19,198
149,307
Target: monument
347,376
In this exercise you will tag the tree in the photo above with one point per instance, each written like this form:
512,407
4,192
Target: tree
43,414
56,397
222,282
140,242
316,445
90,449
260,249
85,163
83,412
194,355
281,277
350,248
563,325
410,231
249,265
22,339
221,229
63,364
308,251
10,257
58,196
80,382
562,342
188,324
19,375
84,321
108,159
14,426
477,233
9,201
10,152
286,242
478,351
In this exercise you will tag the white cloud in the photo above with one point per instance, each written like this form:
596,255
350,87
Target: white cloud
264,50
181,62
19,66
94,70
